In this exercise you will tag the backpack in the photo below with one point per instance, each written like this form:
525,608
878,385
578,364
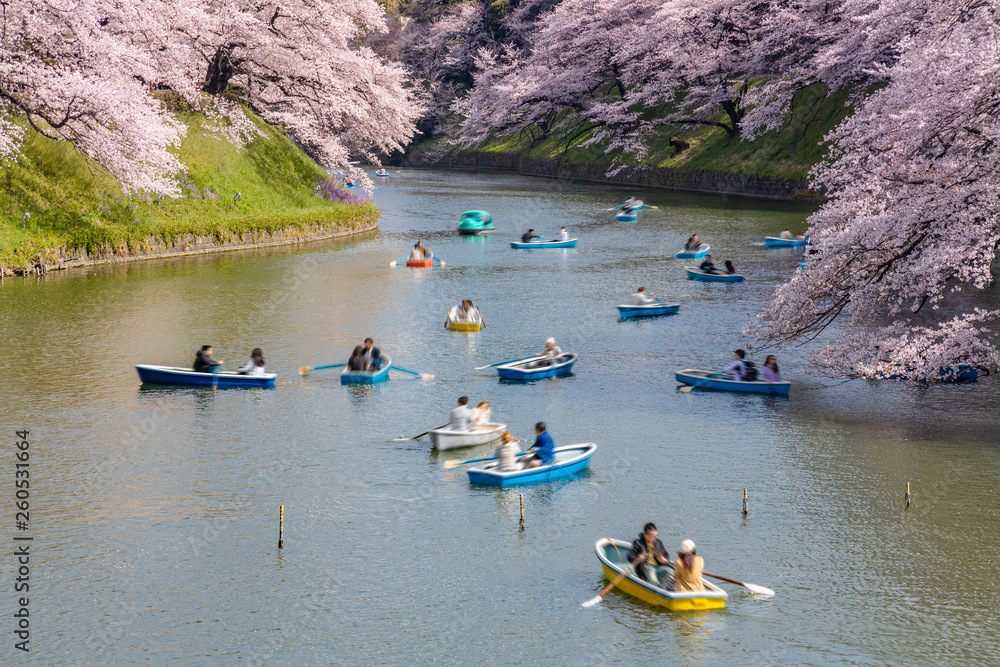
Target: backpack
750,374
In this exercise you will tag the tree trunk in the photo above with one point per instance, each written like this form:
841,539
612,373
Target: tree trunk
220,70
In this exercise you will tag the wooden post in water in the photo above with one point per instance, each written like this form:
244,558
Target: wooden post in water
521,498
746,505
907,496
281,526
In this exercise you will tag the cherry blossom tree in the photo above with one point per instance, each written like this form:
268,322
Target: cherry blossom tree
913,213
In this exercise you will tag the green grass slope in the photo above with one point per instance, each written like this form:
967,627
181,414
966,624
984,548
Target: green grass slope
75,204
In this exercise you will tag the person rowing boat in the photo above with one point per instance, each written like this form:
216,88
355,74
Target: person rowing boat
529,236
542,451
640,298
693,243
631,204
462,417
419,252
708,266
649,549
548,355
372,355
204,362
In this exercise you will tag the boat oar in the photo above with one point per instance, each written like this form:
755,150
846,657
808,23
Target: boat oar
307,369
600,596
417,437
509,361
454,463
426,376
753,588
398,260
686,389
435,259
616,207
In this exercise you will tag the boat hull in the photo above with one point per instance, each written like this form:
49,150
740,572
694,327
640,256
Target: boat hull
518,371
420,263
778,242
544,244
698,274
626,217
367,377
699,379
613,556
569,460
475,232
443,439
651,310
464,326
694,254
152,374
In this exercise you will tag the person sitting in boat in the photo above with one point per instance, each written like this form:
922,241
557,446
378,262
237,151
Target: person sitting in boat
787,234
347,181
630,205
542,451
800,235
483,415
382,172
373,356
529,235
473,315
649,549
419,252
708,266
640,298
738,369
769,371
563,234
357,360
693,243
688,569
255,366
204,363
730,267
550,353
461,418
506,452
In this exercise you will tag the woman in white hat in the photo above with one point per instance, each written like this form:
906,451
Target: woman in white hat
550,353
688,568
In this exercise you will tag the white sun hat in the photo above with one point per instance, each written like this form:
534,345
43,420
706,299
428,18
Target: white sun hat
687,547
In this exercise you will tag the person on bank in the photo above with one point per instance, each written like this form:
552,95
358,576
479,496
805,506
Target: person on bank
641,299
769,371
650,549
357,360
708,266
529,235
688,569
462,417
542,451
372,355
205,363
255,366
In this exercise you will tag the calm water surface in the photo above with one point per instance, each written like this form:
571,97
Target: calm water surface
155,510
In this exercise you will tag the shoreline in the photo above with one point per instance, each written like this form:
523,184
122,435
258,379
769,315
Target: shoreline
186,245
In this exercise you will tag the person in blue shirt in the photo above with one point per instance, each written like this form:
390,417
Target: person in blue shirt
543,450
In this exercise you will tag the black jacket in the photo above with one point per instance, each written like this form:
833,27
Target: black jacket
203,361
639,548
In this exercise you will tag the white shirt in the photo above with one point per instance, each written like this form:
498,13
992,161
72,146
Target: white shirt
640,299
564,235
786,234
461,419
554,353
250,368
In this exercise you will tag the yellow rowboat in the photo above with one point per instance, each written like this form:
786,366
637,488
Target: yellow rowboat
461,325
613,555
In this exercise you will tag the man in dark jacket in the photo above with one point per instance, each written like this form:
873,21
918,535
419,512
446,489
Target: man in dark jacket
203,362
650,549
373,356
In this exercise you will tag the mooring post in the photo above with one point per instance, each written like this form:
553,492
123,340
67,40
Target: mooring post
281,525
907,496
521,497
746,505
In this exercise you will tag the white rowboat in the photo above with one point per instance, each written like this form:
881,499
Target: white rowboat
445,438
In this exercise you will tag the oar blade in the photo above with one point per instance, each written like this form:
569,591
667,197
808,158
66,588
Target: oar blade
304,370
452,463
686,389
596,600
759,590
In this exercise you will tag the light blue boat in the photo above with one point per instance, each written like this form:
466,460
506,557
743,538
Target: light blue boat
571,243
476,223
568,460
630,215
697,274
151,374
648,310
778,242
381,374
522,370
700,252
699,379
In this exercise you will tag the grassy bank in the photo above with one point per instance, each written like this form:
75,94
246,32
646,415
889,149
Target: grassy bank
75,204
787,153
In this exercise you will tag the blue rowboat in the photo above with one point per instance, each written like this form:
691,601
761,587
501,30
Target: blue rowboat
626,217
777,242
522,370
699,379
701,251
648,310
150,374
569,459
697,274
802,265
476,223
375,173
544,244
381,374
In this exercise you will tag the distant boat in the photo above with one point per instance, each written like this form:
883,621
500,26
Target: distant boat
464,325
613,555
697,274
778,242
700,379
151,374
568,460
376,376
476,223
534,245
698,253
522,370
648,310
630,214
444,438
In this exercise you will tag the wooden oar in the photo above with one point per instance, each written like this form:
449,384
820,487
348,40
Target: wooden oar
509,361
417,437
426,376
753,588
307,369
600,596
686,389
